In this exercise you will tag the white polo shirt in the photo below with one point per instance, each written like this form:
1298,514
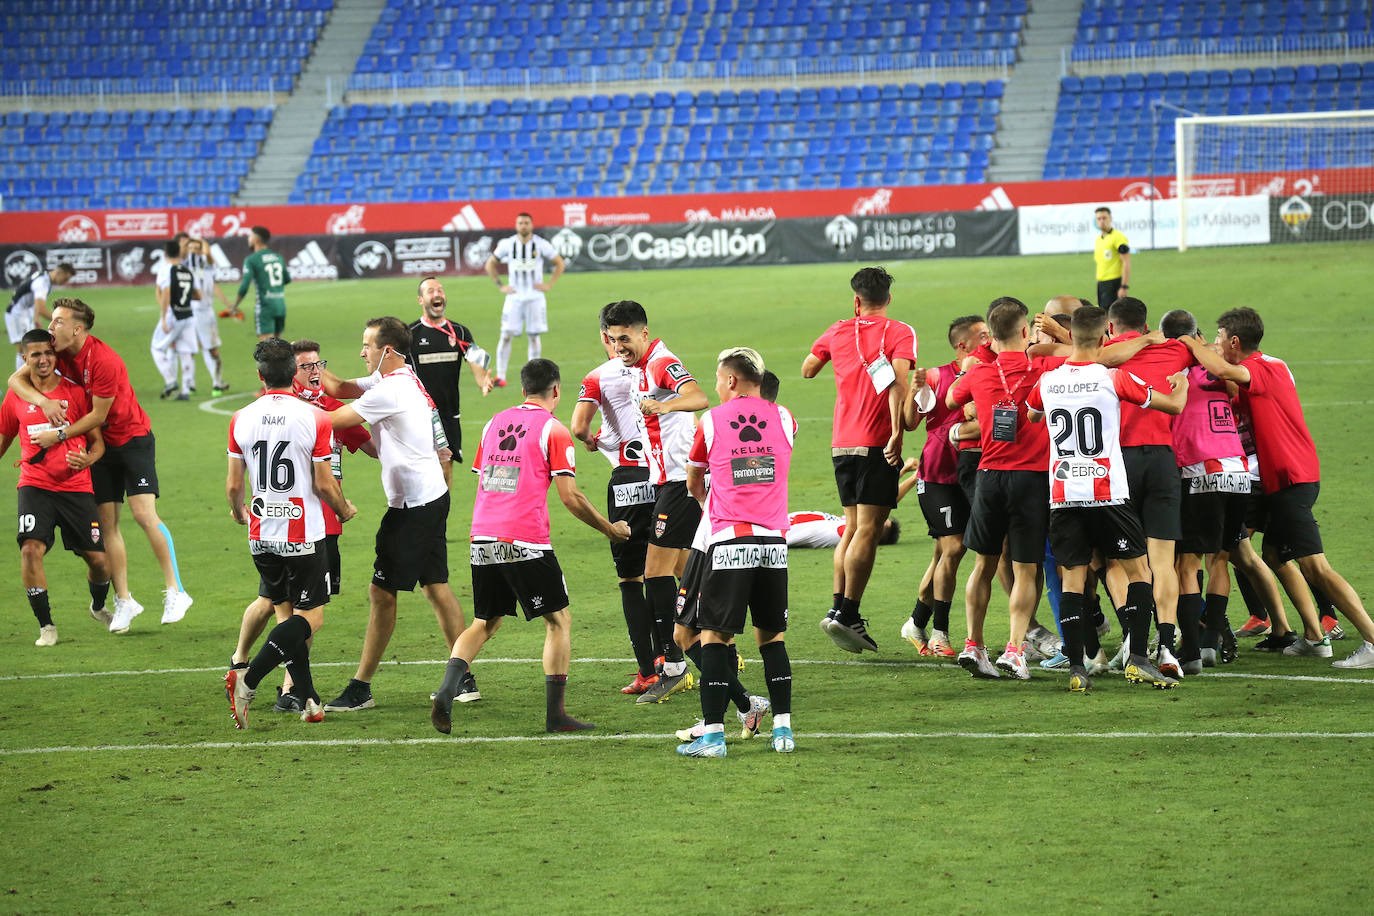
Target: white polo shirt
398,410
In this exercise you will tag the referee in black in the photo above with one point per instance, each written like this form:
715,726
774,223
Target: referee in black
438,347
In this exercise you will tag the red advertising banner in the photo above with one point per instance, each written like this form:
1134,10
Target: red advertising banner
499,215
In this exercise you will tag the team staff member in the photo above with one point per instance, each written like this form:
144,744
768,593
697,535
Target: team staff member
668,397
411,544
523,449
873,357
266,270
613,388
289,444
28,305
525,310
943,502
1112,256
438,347
1289,470
54,486
129,464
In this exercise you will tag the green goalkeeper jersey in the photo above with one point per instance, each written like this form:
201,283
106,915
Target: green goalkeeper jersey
266,269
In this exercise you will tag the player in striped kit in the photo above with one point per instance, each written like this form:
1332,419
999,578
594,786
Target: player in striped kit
1080,402
196,256
174,337
525,310
281,447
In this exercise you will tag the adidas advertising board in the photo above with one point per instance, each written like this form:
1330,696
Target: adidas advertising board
1326,218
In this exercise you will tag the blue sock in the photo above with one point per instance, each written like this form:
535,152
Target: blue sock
1054,587
172,553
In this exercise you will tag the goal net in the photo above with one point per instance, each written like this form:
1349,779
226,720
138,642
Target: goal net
1317,168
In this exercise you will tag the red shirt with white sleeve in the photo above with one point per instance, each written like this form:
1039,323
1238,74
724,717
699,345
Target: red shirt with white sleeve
862,415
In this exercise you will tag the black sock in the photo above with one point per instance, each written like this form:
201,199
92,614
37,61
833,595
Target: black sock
940,618
556,719
849,610
38,602
100,591
1214,613
693,653
639,621
1140,610
302,683
454,672
662,594
1098,618
777,671
836,598
1189,620
1247,591
715,677
738,695
284,642
920,615
1166,635
1072,624
1092,644
1124,620
1324,606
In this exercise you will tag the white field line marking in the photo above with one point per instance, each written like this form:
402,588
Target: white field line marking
529,739
217,405
841,663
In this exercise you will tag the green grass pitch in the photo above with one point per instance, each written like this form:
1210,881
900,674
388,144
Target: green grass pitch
124,786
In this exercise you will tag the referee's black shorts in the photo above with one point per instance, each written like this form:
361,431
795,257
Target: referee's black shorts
1108,291
412,547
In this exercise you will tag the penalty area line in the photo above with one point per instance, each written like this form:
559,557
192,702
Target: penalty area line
644,736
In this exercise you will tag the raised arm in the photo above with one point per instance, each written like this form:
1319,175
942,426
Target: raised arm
1207,358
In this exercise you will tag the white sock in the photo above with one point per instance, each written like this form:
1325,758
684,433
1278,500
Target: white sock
166,363
188,371
716,729
18,361
215,366
674,669
782,720
503,347
533,347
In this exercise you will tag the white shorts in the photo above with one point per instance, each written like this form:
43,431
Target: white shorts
207,328
525,313
19,321
181,337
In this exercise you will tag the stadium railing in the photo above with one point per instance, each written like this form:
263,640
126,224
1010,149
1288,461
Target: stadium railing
1204,52
161,92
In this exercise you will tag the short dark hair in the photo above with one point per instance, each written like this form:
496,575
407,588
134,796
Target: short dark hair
1129,313
1178,323
768,388
872,284
1006,300
263,233
959,328
625,313
538,376
172,248
1066,321
1244,323
524,214
1082,301
66,268
305,345
1005,319
276,362
391,332
179,236
35,335
890,532
1106,210
1089,322
420,288
80,310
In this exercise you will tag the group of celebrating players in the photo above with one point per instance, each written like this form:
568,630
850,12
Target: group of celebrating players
1076,452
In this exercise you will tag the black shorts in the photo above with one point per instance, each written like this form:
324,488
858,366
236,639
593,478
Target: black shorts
630,497
42,512
966,469
1256,509
745,578
1108,291
1210,521
129,468
302,579
1152,474
1234,529
689,592
504,573
453,431
331,552
1292,528
944,507
864,478
412,547
1076,531
675,515
1011,506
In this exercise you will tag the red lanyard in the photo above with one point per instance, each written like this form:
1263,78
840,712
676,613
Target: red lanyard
446,327
1011,397
882,341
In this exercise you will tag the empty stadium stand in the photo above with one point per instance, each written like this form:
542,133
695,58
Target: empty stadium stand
1132,27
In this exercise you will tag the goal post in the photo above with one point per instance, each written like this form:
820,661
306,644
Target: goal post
1300,158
